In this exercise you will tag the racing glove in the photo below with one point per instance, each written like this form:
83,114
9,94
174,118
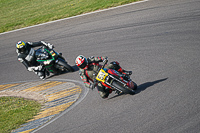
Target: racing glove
92,86
105,59
51,46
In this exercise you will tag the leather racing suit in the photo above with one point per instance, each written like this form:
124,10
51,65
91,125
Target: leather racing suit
28,59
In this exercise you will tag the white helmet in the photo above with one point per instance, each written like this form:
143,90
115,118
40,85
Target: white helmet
81,61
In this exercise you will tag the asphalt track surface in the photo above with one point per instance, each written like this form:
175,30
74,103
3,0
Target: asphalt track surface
158,40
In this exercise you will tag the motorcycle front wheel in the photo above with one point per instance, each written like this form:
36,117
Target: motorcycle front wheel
65,66
122,88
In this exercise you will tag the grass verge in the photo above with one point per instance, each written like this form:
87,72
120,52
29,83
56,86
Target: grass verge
15,14
15,112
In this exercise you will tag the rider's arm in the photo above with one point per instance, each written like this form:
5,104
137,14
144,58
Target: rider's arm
84,79
96,59
35,44
24,62
40,43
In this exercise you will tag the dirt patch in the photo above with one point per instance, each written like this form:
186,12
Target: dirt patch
27,95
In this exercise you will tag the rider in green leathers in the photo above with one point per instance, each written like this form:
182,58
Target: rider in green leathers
88,67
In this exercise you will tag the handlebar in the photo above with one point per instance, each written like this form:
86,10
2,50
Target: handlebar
105,62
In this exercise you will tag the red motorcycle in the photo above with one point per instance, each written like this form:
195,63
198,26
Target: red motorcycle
115,80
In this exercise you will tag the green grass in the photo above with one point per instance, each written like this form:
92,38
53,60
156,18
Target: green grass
15,14
15,112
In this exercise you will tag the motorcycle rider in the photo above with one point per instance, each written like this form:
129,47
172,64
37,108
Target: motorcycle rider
88,67
26,55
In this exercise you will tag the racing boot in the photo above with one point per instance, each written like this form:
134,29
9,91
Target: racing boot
109,90
41,74
103,92
47,73
43,77
126,77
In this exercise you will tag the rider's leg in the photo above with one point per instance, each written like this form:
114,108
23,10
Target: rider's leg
103,92
41,74
115,65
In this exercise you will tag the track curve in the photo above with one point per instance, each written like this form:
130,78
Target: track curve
158,40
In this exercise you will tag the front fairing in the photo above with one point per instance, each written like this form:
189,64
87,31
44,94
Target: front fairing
46,57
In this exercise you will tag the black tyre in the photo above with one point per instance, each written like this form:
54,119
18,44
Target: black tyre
135,85
122,88
66,66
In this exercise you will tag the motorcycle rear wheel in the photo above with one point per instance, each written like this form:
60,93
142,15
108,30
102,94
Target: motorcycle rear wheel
122,88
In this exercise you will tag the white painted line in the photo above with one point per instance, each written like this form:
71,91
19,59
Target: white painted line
74,16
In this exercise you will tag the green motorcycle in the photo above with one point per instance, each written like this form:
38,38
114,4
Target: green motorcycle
52,61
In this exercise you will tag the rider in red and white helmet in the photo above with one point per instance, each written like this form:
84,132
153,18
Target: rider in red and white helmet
81,61
88,66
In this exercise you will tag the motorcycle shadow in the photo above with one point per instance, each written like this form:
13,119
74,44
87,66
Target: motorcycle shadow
143,87
53,75
146,85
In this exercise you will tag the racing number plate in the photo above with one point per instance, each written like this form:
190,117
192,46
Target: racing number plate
101,76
